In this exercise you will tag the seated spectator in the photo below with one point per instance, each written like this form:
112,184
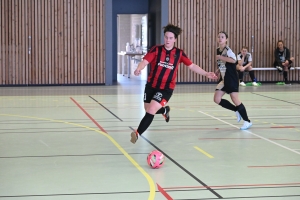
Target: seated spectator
244,63
283,59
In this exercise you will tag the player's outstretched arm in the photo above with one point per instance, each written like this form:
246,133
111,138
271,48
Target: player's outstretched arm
199,70
140,67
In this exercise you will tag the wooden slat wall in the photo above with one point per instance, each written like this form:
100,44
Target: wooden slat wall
67,42
267,21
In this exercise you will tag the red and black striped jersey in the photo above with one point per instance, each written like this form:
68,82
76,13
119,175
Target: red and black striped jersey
164,66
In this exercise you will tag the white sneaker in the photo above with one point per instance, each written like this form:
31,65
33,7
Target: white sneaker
246,125
242,84
238,116
254,84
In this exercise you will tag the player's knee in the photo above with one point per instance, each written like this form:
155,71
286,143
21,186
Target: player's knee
217,100
151,110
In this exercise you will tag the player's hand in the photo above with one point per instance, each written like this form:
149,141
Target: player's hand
211,75
137,72
286,63
217,72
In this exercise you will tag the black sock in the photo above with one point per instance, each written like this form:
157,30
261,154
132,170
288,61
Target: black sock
285,76
145,123
251,73
162,110
242,110
226,104
241,75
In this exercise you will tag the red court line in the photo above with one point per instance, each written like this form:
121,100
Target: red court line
229,186
164,192
295,165
282,127
88,115
247,139
284,139
229,138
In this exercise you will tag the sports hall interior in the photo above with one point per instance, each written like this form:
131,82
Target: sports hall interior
68,102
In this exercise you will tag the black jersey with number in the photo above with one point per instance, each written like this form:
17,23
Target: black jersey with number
164,66
228,70
282,56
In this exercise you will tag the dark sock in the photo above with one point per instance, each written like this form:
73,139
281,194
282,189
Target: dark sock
285,76
145,123
161,111
242,110
251,73
226,104
241,75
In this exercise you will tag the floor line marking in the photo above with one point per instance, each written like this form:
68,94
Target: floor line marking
266,166
181,167
88,115
204,152
146,175
275,99
41,141
105,108
250,133
230,186
228,138
168,197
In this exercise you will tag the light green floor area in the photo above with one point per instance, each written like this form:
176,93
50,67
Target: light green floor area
70,142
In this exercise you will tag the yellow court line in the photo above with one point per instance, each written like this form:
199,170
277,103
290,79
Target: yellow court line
147,176
202,151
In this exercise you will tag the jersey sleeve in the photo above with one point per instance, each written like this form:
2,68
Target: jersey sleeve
250,57
239,57
150,56
185,60
230,54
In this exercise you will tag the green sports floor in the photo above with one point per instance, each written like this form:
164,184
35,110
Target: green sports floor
72,143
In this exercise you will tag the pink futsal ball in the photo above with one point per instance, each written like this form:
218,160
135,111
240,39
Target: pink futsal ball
155,159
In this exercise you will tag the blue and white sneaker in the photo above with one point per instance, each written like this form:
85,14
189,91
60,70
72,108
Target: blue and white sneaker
246,125
238,116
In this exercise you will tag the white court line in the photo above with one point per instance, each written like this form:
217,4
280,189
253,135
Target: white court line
251,133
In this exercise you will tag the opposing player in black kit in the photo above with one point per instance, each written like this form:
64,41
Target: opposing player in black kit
283,59
229,82
164,61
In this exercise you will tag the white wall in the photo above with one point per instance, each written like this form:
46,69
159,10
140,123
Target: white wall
127,33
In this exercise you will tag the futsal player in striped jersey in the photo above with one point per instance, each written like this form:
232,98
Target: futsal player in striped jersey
229,82
164,61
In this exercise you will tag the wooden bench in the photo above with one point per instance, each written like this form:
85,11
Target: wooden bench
273,68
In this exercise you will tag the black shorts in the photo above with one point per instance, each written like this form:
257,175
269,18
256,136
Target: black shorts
231,87
230,90
158,95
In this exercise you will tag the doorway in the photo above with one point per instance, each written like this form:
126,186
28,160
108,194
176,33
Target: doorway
132,39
